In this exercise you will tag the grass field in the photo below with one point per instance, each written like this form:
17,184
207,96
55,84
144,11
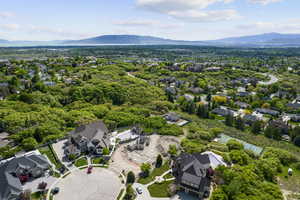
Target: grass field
81,162
160,190
155,172
291,183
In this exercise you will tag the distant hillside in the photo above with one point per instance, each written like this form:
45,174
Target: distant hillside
268,39
129,39
263,40
3,41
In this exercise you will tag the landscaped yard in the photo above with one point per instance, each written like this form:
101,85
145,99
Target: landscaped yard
168,176
47,151
291,183
156,172
160,190
81,162
37,196
98,160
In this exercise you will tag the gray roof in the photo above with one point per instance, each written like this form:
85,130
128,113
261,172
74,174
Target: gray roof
191,169
10,184
93,131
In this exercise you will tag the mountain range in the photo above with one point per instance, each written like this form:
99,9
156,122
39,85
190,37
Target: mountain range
262,40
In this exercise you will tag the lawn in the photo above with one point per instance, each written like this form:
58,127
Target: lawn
291,183
160,190
37,196
46,151
98,160
155,172
168,176
81,162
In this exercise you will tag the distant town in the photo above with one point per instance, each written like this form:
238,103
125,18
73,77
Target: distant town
149,123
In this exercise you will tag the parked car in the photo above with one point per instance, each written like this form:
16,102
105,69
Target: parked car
90,168
55,190
139,190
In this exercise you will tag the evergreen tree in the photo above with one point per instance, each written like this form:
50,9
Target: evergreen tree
229,120
256,127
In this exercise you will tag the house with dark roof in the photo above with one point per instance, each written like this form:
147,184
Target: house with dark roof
193,172
267,111
249,119
293,106
242,104
90,138
281,125
222,112
15,172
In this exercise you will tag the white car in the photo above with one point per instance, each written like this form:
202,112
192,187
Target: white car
139,190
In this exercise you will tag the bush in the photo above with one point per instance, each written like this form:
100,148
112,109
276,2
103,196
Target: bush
286,158
239,157
130,178
234,145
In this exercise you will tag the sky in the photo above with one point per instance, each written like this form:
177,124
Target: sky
40,20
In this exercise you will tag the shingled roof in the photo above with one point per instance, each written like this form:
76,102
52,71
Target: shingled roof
10,185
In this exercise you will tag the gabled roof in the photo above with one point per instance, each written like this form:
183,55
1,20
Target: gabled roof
10,184
93,131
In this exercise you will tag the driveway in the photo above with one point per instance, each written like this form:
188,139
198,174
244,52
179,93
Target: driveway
146,195
101,184
58,148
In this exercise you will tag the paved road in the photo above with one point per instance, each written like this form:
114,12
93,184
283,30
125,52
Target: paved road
101,184
273,79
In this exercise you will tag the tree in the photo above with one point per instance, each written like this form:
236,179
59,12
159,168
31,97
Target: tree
297,141
229,120
159,161
273,132
130,178
105,151
29,144
239,123
130,195
172,150
256,127
145,168
239,157
234,145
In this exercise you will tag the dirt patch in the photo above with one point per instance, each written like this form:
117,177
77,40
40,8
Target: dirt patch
123,159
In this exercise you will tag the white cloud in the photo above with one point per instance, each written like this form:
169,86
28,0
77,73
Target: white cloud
288,26
134,22
189,10
177,5
6,14
264,2
147,23
10,27
205,16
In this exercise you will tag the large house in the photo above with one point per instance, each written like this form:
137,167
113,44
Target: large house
17,171
193,172
91,138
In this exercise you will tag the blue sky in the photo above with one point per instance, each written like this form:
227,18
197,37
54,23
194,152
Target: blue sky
174,19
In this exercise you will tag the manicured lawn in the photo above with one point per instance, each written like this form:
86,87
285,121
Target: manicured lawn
46,151
37,196
98,160
81,162
291,183
156,172
160,190
168,176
